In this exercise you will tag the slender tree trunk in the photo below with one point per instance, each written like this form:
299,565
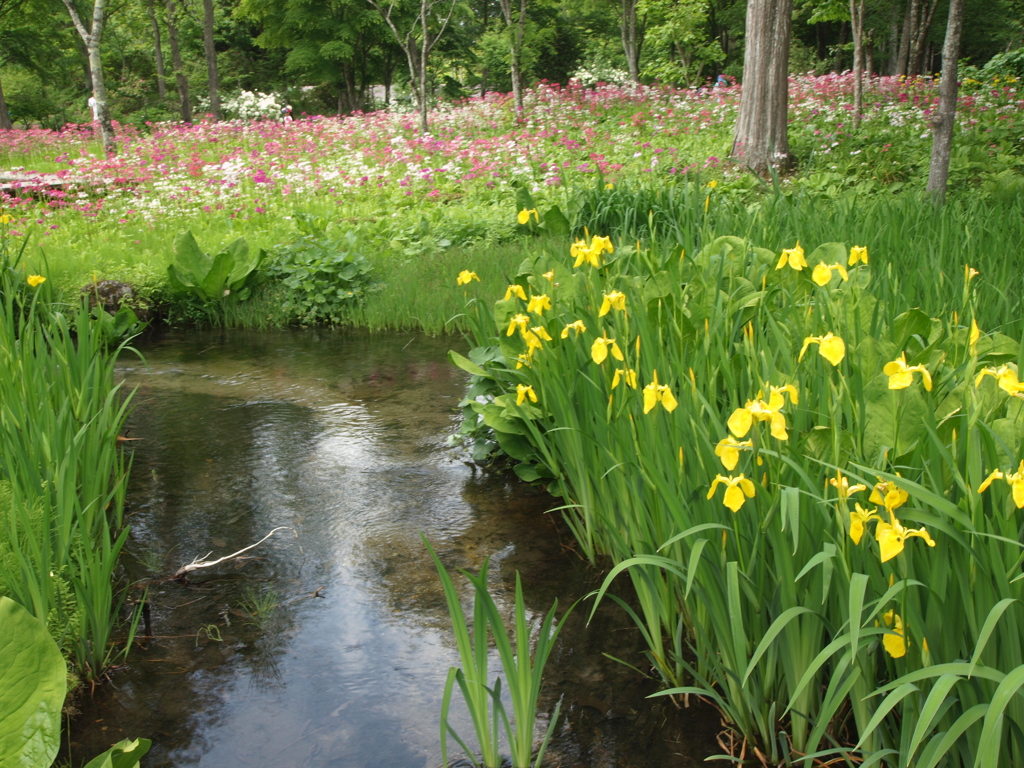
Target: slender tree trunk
909,25
418,58
892,52
161,85
212,76
917,50
184,99
869,54
761,139
92,37
516,32
424,49
942,139
5,117
632,38
857,26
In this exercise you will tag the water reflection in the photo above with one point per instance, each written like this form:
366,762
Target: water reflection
340,438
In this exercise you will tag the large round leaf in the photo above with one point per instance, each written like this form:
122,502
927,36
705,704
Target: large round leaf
33,682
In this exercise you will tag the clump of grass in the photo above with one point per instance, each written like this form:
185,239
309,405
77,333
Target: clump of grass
260,604
523,673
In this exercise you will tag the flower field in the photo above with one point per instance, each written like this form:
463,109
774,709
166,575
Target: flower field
407,193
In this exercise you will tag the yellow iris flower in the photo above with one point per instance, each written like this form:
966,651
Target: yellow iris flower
1006,378
526,358
969,273
822,273
888,494
523,391
627,374
859,518
895,640
465,277
36,280
550,275
537,304
843,487
576,325
524,215
599,349
1015,480
737,490
515,290
758,410
728,451
891,537
974,337
901,375
590,253
831,347
614,300
518,321
655,393
858,253
794,257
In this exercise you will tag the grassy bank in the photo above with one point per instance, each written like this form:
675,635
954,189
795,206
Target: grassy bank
62,474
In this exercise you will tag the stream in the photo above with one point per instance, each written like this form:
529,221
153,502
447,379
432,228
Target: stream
340,438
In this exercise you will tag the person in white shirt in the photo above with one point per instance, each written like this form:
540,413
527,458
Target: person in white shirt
95,107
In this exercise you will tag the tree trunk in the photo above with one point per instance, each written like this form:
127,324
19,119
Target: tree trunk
761,140
516,32
92,37
942,138
917,50
909,25
869,54
892,65
184,99
161,85
5,117
212,76
857,26
632,38
424,50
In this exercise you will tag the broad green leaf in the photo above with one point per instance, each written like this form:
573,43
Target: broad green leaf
33,682
894,420
190,259
465,364
124,754
829,253
214,283
556,223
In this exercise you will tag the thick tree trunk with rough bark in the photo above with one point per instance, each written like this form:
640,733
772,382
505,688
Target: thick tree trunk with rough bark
212,76
632,38
184,98
761,139
92,37
161,84
942,138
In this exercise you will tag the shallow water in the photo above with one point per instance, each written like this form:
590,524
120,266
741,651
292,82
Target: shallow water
340,437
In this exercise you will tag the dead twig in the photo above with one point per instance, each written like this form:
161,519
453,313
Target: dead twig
196,564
